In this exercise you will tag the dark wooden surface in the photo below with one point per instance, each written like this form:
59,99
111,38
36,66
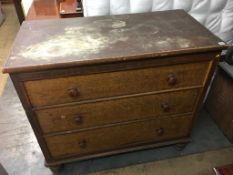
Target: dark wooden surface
224,170
70,42
219,102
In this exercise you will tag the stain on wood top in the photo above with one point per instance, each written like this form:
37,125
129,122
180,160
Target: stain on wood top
63,43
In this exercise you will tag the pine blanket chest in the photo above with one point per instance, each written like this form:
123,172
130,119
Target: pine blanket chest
99,86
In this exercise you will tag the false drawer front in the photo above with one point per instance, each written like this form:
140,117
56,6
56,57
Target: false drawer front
85,87
119,136
119,110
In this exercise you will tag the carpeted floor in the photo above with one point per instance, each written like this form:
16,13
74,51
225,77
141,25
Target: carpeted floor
8,31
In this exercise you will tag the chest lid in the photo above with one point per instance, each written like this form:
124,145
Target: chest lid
60,43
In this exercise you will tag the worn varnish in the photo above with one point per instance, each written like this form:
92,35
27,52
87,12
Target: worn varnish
100,86
70,42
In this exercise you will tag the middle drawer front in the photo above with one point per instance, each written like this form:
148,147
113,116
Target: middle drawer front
85,87
119,136
119,110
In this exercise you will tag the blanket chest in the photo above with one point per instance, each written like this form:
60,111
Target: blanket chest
99,86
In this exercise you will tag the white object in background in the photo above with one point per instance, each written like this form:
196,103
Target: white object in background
26,4
216,15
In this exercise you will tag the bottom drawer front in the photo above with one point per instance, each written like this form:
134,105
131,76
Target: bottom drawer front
119,136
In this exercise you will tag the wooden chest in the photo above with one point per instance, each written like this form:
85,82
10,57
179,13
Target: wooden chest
99,86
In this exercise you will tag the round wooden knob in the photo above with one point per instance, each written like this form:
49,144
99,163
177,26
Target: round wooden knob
160,131
78,119
165,107
73,92
171,79
82,144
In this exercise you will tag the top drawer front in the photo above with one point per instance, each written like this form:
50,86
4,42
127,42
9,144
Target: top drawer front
93,86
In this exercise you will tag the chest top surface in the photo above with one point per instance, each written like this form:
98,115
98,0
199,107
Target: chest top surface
64,43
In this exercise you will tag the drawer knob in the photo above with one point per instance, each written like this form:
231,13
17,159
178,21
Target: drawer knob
73,92
165,107
78,119
160,131
171,79
82,143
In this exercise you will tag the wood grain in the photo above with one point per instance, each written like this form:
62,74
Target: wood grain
120,136
56,91
115,111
